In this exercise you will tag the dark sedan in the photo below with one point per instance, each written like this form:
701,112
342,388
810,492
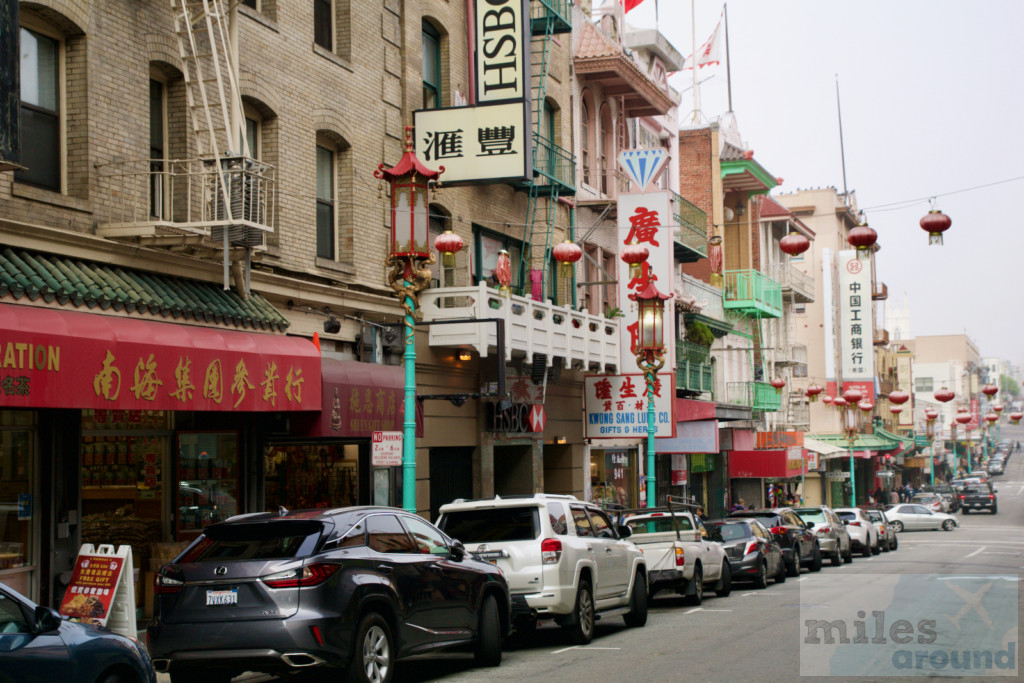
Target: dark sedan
753,553
799,544
37,645
355,588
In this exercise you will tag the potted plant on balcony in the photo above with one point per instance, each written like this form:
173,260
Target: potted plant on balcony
698,333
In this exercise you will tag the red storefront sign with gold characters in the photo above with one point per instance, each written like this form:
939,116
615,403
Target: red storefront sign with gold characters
92,588
66,359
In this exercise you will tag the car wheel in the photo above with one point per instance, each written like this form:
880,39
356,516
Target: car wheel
372,651
876,548
837,558
865,550
698,587
581,629
637,614
816,559
885,545
994,509
965,511
948,525
793,568
848,557
780,576
488,641
898,526
725,583
895,542
761,580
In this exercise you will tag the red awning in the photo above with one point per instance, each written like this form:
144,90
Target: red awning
763,464
66,359
690,410
359,399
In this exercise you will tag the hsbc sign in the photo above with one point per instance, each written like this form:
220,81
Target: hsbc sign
519,418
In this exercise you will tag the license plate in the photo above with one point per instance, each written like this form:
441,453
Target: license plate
491,556
228,597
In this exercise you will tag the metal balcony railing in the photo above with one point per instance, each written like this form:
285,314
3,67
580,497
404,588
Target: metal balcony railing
791,278
759,396
707,297
691,231
589,341
881,337
559,12
186,197
693,367
752,292
880,292
607,184
791,354
798,415
553,165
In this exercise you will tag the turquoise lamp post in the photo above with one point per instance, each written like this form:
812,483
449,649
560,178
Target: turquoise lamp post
650,357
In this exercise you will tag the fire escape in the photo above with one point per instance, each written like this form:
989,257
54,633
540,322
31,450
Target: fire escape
217,200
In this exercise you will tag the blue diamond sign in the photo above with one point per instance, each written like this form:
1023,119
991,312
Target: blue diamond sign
643,165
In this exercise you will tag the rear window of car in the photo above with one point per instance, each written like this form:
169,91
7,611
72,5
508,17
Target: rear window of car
653,525
815,516
493,524
980,490
874,516
723,532
767,518
254,541
847,516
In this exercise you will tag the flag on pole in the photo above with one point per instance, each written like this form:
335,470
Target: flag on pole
709,52
630,4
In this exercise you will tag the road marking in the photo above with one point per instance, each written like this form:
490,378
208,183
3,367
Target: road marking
992,552
582,647
803,579
1020,491
701,609
748,594
975,552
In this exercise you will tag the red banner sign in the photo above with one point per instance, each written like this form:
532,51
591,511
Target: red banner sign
65,359
92,589
779,439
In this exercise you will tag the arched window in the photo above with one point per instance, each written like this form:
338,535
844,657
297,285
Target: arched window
585,138
607,142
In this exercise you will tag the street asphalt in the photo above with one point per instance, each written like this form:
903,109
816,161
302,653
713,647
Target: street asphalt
751,635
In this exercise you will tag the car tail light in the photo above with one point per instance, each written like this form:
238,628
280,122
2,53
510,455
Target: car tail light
751,547
310,575
991,497
854,523
778,530
550,551
680,557
963,497
163,585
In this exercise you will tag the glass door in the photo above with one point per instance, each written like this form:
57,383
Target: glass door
19,514
207,481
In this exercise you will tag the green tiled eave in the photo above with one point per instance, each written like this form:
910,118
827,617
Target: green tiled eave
881,440
737,166
35,275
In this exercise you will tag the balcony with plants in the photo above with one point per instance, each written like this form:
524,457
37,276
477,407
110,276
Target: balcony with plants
694,373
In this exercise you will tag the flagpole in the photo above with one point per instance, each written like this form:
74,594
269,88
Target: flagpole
728,58
693,66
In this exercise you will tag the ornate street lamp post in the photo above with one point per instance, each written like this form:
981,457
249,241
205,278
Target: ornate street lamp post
848,403
931,415
650,357
409,261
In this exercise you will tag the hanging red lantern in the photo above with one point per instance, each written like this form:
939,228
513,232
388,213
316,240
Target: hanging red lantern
840,402
863,238
944,395
634,254
778,383
853,395
998,407
794,244
990,390
567,254
963,418
503,272
898,397
935,223
931,414
866,405
827,400
449,244
991,418
1016,417
895,410
963,409
813,391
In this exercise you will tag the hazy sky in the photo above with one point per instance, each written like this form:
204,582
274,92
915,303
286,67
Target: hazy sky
932,103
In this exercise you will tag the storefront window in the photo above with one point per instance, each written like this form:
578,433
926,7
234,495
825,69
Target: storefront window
17,506
613,477
207,489
304,476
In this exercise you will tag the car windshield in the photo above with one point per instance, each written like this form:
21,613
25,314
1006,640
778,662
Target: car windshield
874,515
927,498
812,515
254,541
723,532
653,525
495,524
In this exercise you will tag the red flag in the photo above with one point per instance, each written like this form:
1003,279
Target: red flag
708,53
630,4
316,341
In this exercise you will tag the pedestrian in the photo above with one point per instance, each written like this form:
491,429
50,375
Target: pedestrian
894,497
700,514
740,505
878,494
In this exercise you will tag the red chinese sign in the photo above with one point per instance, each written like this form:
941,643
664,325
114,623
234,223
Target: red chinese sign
359,399
778,439
64,359
92,588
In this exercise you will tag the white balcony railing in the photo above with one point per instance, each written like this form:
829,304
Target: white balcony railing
794,279
708,298
589,341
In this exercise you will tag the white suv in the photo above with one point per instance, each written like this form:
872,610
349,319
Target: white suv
563,559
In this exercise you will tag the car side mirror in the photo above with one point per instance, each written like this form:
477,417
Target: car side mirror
809,525
47,619
625,531
846,522
457,551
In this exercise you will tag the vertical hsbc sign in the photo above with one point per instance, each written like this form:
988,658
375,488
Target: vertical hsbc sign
646,218
502,40
856,335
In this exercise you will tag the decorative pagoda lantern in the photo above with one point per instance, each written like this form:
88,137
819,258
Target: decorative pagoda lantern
778,383
899,397
794,244
634,254
650,340
503,272
935,223
813,392
567,254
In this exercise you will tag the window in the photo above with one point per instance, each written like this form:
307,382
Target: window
12,619
252,138
40,111
438,223
496,524
251,3
556,515
487,246
583,527
157,148
585,140
604,139
324,203
799,309
431,67
602,525
923,384
427,539
387,535
323,24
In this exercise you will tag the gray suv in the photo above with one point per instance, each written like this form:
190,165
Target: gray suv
833,538
355,588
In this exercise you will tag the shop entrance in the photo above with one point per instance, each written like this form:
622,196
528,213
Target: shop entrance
513,470
451,476
19,499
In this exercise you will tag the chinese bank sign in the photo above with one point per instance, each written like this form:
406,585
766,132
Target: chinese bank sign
855,325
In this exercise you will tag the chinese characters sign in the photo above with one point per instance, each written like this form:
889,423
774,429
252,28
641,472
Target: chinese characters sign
63,359
359,399
616,406
646,218
855,322
475,144
93,585
501,44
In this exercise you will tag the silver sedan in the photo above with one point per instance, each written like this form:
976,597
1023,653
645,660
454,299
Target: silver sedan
913,517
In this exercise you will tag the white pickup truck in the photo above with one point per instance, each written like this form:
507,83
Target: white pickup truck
679,554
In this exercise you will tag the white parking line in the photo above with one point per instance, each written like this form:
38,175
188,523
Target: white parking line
975,552
581,647
1020,491
701,609
748,594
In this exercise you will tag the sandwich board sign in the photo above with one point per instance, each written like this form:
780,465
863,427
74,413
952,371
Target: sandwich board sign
643,165
101,590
